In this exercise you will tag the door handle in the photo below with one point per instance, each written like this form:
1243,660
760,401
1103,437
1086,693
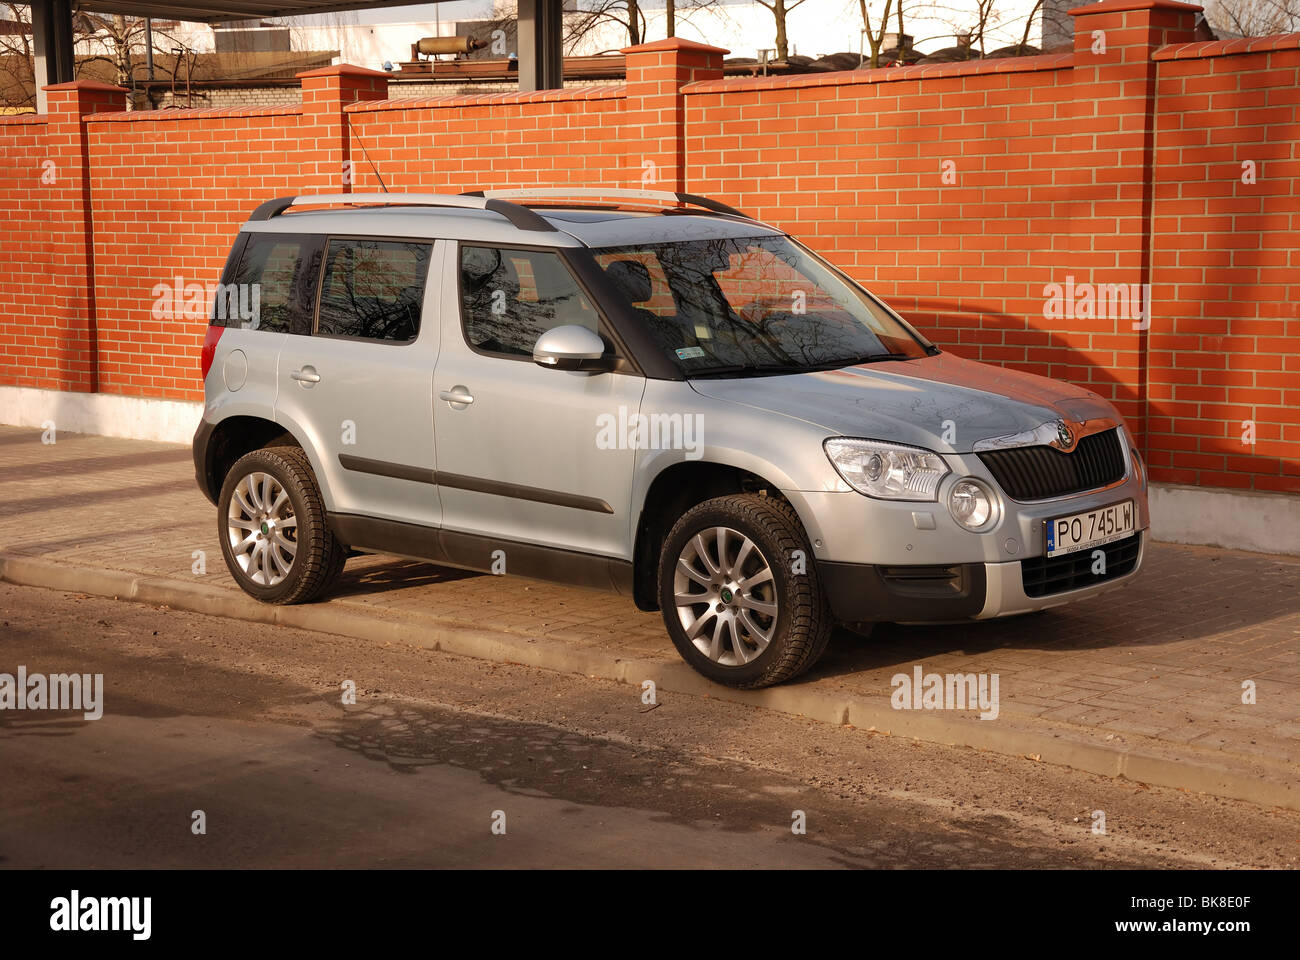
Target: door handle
457,395
307,374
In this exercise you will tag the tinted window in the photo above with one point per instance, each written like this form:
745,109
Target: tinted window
373,289
274,286
752,303
509,298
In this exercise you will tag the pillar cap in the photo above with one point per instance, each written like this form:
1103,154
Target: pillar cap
342,70
673,43
1119,6
85,85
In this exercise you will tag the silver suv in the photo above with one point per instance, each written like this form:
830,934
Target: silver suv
656,395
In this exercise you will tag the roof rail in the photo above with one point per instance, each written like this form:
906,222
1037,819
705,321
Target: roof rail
661,196
520,216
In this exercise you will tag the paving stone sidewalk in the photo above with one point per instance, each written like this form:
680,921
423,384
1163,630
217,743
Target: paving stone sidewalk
1161,662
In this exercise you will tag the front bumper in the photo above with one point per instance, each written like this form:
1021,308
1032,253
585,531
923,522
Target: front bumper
865,593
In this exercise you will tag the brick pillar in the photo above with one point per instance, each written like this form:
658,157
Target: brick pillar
1115,78
326,138
70,284
656,115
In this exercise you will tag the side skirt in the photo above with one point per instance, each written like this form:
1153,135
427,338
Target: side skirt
472,552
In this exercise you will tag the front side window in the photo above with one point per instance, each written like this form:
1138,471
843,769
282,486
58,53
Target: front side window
373,289
510,297
752,304
274,287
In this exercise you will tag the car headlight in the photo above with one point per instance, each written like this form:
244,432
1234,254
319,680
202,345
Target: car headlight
888,471
971,504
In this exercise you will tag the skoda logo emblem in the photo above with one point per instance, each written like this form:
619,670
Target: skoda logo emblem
1063,435
726,595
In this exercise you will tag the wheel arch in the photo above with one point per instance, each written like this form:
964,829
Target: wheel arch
233,437
674,490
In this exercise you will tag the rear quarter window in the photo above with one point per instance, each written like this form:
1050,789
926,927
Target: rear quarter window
274,286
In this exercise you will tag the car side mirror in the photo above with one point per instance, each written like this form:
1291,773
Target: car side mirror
571,347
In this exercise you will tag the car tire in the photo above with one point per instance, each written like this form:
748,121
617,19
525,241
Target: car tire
272,527
761,617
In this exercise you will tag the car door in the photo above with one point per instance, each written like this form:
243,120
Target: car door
359,387
520,456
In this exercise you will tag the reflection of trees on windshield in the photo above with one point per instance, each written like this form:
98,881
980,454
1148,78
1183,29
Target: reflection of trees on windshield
701,302
757,302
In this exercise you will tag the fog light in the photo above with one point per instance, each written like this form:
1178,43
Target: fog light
970,504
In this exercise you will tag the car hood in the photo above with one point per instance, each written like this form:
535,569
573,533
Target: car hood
912,401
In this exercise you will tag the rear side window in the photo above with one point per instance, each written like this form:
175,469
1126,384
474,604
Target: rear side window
511,297
274,286
373,289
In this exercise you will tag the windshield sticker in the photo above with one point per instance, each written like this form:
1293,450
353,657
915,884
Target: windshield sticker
690,353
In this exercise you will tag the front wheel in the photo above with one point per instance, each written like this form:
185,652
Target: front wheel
740,594
274,536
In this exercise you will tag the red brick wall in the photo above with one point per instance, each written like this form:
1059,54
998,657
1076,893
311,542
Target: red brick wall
1116,165
453,144
169,190
960,192
1225,352
30,341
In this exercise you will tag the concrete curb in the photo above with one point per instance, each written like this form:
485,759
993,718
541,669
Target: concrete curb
1062,748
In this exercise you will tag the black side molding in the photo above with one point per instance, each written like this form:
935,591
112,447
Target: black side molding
499,488
382,468
518,491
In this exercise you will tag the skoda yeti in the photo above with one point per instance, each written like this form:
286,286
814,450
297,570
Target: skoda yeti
643,392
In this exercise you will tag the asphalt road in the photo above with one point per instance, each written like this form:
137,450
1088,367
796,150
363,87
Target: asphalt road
246,723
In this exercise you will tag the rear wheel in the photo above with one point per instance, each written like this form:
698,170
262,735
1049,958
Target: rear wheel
740,594
274,535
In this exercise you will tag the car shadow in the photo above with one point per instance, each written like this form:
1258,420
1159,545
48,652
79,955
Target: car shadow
370,574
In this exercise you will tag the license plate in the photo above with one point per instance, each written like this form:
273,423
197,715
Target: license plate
1090,529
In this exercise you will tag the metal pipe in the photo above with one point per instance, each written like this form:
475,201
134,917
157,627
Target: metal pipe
432,46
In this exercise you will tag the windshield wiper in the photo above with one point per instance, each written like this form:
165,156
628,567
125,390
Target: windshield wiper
759,369
747,369
856,361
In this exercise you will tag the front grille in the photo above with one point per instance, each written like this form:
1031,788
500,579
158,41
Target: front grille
1044,576
1039,473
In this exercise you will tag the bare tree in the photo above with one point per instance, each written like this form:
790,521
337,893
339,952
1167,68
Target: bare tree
985,17
876,37
17,66
1029,25
110,47
1253,18
626,13
780,9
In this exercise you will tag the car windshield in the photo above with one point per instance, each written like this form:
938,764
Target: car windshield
757,305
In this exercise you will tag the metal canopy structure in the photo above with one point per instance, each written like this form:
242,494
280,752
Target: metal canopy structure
540,29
